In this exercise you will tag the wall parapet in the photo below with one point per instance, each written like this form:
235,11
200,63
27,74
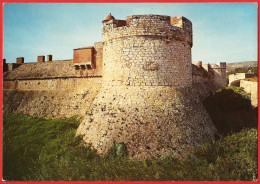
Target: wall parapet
170,28
47,78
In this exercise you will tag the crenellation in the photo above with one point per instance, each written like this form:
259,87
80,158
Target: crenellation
150,25
210,73
49,57
40,59
20,60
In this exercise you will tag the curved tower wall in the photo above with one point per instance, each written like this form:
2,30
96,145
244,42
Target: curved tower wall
148,51
146,100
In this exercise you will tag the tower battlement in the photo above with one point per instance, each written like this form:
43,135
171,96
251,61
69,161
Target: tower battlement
166,27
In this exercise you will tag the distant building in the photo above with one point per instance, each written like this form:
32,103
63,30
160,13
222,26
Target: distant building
234,79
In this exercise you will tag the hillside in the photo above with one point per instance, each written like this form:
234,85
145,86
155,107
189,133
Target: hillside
245,64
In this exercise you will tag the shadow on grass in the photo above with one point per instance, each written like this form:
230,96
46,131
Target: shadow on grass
230,109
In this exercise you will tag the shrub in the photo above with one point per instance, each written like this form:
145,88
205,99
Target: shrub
244,70
230,109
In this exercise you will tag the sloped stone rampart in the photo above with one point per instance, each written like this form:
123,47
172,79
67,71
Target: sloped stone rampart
48,69
151,121
52,98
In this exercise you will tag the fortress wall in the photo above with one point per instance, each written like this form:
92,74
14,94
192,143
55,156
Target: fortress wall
53,98
98,57
150,120
239,76
42,70
252,88
197,79
219,76
52,84
207,81
147,100
148,51
147,61
157,25
231,78
49,90
204,88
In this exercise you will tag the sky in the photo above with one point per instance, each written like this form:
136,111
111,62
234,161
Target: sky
222,32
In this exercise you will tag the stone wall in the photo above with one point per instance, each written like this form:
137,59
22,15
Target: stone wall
252,88
150,120
147,100
218,74
239,76
72,83
147,61
50,69
145,25
50,98
48,90
149,51
10,66
208,78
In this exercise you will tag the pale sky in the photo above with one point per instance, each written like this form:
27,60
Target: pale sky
222,32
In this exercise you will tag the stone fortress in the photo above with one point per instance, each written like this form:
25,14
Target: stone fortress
138,86
249,86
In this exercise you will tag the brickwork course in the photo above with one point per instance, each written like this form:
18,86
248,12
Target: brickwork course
138,86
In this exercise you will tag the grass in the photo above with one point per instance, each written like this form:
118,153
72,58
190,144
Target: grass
253,79
45,150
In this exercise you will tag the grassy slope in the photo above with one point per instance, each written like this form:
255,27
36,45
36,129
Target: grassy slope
38,149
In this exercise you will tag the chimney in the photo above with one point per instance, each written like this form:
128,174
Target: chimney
41,59
20,60
49,57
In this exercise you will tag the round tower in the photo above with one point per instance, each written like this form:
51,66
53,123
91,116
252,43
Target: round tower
149,51
147,100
